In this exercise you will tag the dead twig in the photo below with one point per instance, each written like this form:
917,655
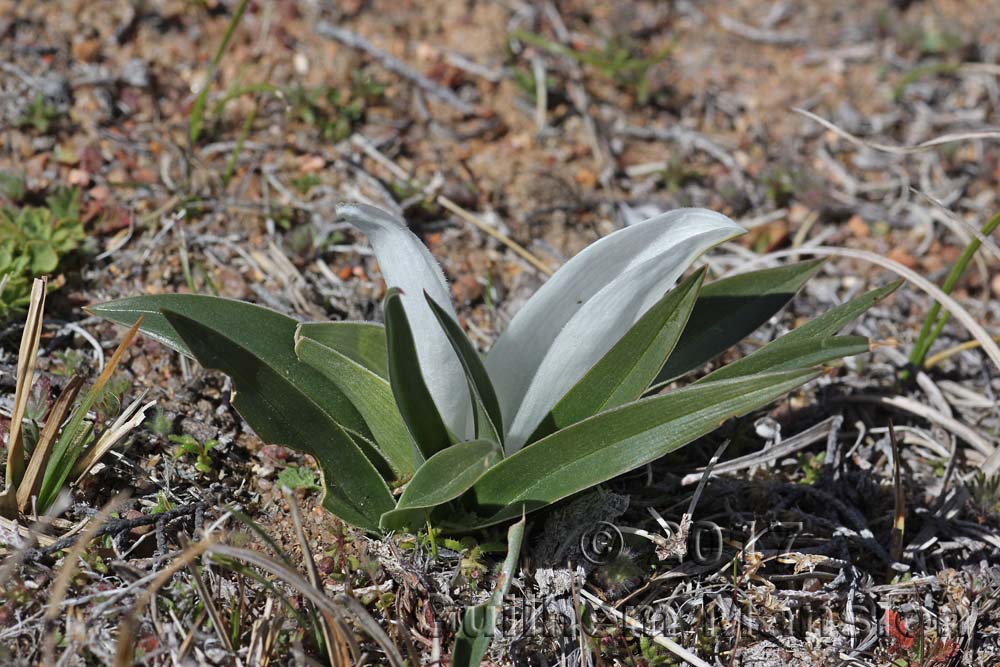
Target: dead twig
394,65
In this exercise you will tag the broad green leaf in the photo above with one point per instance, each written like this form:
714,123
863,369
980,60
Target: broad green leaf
413,398
801,353
479,622
796,341
278,402
485,409
586,307
627,369
613,442
265,333
406,263
373,398
443,478
361,342
729,310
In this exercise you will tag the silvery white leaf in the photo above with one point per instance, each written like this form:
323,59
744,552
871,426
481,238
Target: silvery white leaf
547,348
406,263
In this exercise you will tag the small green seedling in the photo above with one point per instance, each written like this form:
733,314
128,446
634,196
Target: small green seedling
33,240
298,478
188,445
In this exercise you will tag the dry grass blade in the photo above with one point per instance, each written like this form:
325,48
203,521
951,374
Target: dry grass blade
799,441
124,656
116,358
520,250
26,359
296,581
900,150
937,358
210,609
335,645
65,576
967,433
127,421
32,479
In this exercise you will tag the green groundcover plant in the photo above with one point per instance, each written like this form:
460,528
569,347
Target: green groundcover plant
567,398
33,240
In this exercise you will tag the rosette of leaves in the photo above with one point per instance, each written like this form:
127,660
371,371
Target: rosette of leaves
33,239
567,398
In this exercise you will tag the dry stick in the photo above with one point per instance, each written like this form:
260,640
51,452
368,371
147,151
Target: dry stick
639,627
952,306
899,150
759,34
788,446
65,576
394,65
371,151
899,519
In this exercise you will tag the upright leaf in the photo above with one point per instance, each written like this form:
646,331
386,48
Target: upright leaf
614,442
406,263
284,405
373,398
361,342
793,349
597,319
413,398
729,310
627,369
579,314
442,479
486,408
479,622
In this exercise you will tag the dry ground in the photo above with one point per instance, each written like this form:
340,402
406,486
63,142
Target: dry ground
552,124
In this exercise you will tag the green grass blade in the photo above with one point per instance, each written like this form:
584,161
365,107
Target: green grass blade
486,407
443,478
65,453
611,443
413,398
624,373
935,321
197,120
372,396
729,310
282,402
